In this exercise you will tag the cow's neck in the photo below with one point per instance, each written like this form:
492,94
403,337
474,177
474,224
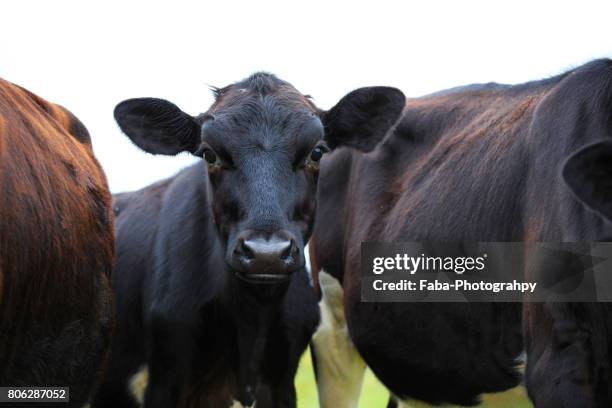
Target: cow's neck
254,309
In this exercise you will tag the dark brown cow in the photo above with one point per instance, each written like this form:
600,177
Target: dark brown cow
479,163
56,248
588,173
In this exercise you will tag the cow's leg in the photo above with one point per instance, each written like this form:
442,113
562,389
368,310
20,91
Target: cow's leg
115,392
277,389
127,353
340,368
169,351
276,396
124,363
162,390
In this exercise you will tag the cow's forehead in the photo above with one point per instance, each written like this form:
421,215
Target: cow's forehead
265,122
263,86
285,98
261,110
267,129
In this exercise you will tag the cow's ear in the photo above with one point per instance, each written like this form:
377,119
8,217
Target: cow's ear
363,117
158,126
588,173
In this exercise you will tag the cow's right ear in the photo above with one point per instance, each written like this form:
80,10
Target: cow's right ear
158,126
588,173
363,117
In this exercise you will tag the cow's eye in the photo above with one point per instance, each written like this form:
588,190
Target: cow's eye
215,160
210,157
315,155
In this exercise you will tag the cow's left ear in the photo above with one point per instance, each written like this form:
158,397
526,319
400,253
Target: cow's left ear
363,117
158,126
588,173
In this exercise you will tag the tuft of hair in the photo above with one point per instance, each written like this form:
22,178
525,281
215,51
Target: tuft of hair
217,92
262,83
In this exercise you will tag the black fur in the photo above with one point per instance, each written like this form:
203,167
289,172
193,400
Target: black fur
207,335
588,173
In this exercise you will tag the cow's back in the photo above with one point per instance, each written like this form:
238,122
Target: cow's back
56,247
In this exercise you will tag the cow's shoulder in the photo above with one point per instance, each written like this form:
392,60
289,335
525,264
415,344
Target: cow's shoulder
138,212
147,197
163,212
185,199
137,222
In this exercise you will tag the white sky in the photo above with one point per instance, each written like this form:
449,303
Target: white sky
88,57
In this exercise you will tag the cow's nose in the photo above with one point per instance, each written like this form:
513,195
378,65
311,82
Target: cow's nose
268,253
270,259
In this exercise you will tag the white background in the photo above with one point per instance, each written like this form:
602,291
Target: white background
88,57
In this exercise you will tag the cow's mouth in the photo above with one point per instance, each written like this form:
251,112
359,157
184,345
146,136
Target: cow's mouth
264,278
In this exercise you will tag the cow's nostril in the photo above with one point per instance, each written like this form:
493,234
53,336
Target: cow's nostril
244,250
288,251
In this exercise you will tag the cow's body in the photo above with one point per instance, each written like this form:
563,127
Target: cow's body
209,336
56,248
480,163
212,291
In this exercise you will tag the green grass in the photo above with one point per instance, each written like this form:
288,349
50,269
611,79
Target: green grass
374,395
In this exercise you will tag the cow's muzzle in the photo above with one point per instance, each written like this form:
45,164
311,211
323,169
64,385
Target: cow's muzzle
258,258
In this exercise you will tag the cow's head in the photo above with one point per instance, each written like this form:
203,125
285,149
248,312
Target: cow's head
588,173
262,141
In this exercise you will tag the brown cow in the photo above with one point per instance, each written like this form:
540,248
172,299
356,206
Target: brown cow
56,248
478,163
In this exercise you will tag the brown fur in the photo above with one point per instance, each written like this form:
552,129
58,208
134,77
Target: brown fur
475,164
56,247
